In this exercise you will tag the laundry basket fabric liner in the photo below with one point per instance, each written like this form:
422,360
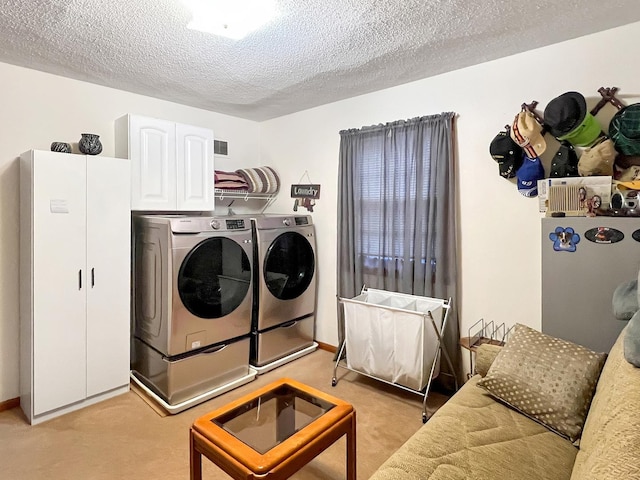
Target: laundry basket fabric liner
389,336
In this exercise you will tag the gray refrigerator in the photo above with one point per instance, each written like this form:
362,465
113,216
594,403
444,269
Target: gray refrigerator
584,259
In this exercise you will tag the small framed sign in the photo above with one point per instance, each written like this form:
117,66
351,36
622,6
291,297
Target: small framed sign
308,190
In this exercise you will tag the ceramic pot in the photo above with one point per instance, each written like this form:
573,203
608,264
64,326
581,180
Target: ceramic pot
61,147
90,144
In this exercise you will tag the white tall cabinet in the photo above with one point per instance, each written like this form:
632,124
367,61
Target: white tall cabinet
75,242
171,163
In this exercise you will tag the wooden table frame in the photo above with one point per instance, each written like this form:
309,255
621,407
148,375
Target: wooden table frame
242,462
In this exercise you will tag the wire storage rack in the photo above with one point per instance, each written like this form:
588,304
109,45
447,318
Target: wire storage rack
483,332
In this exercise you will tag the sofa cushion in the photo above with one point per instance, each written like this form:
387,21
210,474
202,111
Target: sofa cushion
485,355
473,437
546,378
610,443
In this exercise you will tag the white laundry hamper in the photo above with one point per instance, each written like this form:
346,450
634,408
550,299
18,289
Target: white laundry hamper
394,337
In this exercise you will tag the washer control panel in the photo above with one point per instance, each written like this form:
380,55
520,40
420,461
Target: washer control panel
235,224
207,224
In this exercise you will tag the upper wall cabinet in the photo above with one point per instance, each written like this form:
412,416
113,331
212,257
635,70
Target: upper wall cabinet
171,164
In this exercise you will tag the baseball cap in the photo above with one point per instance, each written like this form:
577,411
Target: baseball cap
597,160
566,118
507,153
630,174
527,133
528,175
624,129
565,162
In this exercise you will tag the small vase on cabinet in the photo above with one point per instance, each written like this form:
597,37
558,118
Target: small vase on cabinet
90,144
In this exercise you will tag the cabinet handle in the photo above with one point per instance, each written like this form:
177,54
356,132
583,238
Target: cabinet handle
93,277
80,279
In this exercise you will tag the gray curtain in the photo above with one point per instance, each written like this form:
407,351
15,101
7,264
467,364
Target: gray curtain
397,214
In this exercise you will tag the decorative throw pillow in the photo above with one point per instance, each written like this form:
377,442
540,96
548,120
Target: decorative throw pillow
547,379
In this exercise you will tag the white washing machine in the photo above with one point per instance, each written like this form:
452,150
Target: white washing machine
192,302
284,314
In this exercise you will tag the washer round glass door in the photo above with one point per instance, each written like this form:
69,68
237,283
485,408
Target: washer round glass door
214,278
289,265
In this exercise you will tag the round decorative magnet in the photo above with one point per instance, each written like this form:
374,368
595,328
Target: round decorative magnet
604,235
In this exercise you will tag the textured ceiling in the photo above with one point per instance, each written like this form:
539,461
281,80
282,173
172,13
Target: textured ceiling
315,52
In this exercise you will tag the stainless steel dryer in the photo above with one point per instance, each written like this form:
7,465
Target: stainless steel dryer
192,304
284,316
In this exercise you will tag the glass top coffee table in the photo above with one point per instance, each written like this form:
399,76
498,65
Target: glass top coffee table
275,430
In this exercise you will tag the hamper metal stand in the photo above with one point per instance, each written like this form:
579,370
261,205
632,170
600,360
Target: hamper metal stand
427,318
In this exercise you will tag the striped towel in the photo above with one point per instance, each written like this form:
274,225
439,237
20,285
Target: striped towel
261,179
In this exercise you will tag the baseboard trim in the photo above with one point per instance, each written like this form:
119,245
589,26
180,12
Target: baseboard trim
327,347
9,404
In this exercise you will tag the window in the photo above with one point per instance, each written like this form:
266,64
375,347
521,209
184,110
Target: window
392,183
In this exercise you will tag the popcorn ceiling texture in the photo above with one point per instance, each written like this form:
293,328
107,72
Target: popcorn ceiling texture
315,52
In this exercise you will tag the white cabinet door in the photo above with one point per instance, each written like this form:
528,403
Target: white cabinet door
109,273
152,150
194,168
59,280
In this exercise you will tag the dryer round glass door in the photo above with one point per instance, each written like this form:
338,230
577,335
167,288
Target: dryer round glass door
289,265
214,278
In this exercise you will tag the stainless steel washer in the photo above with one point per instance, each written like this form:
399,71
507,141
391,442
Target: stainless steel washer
284,317
192,300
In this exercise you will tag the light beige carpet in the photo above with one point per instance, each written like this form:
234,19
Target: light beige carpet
124,438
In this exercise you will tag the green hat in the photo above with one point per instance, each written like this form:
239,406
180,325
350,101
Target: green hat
624,130
584,134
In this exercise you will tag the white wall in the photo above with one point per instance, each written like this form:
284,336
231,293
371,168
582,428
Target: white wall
39,108
499,229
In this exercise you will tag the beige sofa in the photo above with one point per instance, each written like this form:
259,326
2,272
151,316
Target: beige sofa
474,436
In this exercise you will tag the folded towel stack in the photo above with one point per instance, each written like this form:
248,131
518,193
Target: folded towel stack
230,181
261,179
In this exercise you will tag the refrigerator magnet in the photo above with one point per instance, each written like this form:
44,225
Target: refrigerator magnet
564,239
604,235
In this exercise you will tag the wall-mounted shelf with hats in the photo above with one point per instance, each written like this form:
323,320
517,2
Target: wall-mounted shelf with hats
586,148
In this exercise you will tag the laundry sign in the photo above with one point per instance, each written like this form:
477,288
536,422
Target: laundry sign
309,190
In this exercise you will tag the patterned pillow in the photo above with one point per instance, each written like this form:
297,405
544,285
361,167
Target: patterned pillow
547,379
